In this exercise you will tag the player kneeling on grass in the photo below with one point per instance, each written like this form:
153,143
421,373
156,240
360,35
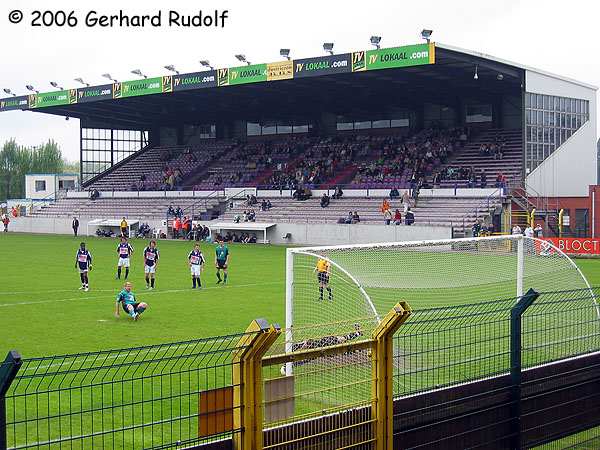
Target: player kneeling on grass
127,301
83,262
196,263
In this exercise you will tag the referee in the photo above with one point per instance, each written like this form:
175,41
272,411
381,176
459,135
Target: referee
323,270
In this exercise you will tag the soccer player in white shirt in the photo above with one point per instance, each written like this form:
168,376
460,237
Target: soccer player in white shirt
124,250
196,263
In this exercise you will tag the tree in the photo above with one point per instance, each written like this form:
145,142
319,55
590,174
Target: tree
17,161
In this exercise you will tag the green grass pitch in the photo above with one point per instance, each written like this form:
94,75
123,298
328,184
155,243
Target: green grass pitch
42,312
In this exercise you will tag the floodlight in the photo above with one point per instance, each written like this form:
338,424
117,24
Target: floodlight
139,73
328,47
476,75
80,80
54,84
9,92
375,40
285,52
31,88
242,58
426,34
171,68
107,75
206,63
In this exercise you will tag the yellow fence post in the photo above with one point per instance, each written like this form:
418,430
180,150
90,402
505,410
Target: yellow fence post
382,363
247,384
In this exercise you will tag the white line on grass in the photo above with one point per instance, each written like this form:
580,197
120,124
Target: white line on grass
154,292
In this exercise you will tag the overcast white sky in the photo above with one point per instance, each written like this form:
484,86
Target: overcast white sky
552,35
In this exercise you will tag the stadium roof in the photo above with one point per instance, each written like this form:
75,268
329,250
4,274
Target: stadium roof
349,84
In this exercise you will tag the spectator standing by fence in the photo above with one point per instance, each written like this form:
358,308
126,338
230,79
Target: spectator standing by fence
124,226
5,222
75,225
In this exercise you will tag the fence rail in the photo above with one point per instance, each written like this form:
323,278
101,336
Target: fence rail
510,373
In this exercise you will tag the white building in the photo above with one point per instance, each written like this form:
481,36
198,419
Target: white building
45,186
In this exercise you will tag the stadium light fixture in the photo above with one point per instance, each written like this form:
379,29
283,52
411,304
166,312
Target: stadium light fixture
426,34
476,75
171,68
206,63
80,80
242,58
375,40
107,75
55,85
31,88
328,47
9,92
139,73
285,52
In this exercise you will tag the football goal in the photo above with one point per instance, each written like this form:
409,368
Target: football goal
325,284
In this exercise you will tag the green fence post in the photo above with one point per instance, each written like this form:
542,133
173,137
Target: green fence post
516,346
8,371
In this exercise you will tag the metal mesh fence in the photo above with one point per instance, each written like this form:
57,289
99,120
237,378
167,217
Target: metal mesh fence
146,397
326,400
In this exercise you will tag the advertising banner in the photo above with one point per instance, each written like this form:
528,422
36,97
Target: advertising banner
409,55
141,87
325,65
196,80
283,70
358,61
95,93
45,99
12,103
223,77
577,246
254,73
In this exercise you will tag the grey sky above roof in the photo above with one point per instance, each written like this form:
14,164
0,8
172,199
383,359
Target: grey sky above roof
540,34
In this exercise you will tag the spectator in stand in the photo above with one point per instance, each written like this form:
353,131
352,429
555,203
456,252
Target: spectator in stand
387,216
337,193
397,217
349,217
269,205
472,182
500,180
476,228
94,194
251,216
394,194
176,228
355,217
263,205
528,231
385,206
483,179
178,212
325,200
409,217
170,211
406,201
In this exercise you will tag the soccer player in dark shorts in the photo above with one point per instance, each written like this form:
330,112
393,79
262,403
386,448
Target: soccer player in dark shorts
323,269
151,257
124,250
83,262
221,261
126,299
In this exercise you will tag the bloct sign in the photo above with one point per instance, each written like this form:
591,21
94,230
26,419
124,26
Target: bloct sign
578,246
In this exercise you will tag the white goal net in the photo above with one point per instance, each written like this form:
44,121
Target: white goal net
366,281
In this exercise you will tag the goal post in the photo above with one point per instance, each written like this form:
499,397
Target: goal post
366,280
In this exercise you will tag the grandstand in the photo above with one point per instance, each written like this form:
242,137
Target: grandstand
471,147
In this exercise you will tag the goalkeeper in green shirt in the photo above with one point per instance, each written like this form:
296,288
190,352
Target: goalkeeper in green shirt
126,300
